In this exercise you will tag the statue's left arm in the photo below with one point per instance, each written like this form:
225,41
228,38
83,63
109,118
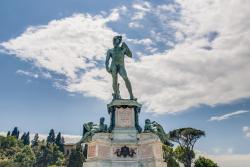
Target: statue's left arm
126,50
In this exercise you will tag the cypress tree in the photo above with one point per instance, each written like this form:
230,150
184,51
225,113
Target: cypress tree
23,136
15,132
27,139
51,137
61,147
60,142
34,142
58,139
76,157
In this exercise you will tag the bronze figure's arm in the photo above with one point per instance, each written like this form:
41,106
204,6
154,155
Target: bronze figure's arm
126,50
107,61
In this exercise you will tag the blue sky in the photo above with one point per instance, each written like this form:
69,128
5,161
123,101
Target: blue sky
191,63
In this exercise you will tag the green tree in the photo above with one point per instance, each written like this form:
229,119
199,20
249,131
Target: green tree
181,155
23,136
48,154
35,141
25,158
76,157
186,138
14,153
9,146
51,137
169,156
60,142
15,132
26,138
204,162
6,163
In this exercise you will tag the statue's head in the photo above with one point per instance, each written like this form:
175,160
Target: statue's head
147,121
102,119
117,40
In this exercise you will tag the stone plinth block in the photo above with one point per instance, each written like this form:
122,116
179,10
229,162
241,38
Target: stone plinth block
124,118
122,135
124,114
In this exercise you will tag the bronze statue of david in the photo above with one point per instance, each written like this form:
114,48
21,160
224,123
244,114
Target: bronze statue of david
117,66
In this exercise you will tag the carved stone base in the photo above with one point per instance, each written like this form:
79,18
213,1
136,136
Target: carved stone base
124,146
105,150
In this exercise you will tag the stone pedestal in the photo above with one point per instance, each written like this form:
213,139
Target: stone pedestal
102,151
124,146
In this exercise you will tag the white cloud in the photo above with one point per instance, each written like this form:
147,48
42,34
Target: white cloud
145,41
95,83
168,8
190,75
27,73
135,25
115,13
65,46
41,74
246,131
209,65
141,8
227,116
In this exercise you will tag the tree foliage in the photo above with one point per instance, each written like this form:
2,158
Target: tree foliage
25,158
183,155
48,154
186,138
204,162
76,158
51,137
15,132
26,138
35,141
169,156
6,163
9,146
16,152
59,141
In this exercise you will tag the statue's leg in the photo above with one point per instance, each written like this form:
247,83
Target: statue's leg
123,74
115,83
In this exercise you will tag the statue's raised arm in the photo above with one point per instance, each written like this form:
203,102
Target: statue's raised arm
126,50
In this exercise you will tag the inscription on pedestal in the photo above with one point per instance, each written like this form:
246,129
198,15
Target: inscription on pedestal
124,118
91,151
